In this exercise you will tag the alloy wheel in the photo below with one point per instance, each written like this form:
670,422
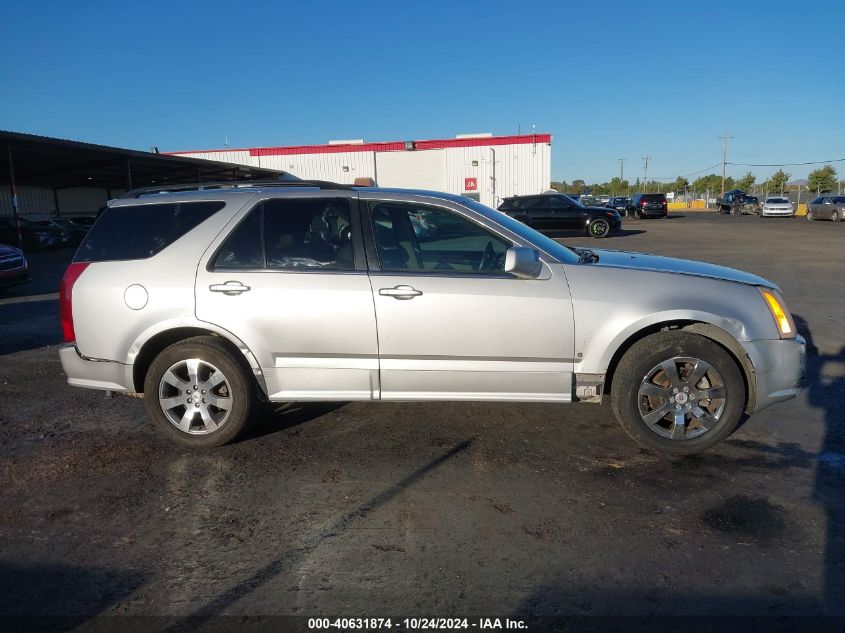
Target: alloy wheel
681,398
195,396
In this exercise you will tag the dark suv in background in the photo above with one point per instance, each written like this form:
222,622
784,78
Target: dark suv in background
620,203
559,212
648,205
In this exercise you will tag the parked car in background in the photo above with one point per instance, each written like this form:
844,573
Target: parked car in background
827,207
82,221
72,234
620,203
34,236
648,205
736,201
210,302
777,206
559,212
14,269
590,201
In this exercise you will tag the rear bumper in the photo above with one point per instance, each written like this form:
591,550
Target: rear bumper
779,368
92,373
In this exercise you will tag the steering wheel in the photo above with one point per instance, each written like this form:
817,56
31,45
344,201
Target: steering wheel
489,259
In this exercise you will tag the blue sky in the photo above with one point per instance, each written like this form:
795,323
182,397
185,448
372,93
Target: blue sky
608,79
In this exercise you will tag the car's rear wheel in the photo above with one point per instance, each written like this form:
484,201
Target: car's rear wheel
809,215
198,394
598,228
677,392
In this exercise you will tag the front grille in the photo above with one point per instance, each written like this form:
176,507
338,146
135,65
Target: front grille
9,262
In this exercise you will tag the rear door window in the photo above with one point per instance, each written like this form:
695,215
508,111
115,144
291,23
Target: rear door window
291,233
143,230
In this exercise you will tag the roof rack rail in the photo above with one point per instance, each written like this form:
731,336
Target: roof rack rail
232,184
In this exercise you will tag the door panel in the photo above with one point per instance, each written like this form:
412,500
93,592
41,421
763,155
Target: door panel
475,338
303,309
452,325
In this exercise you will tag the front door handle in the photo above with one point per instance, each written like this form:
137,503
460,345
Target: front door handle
400,292
231,288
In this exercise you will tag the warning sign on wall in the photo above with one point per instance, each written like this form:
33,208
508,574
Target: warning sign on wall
470,184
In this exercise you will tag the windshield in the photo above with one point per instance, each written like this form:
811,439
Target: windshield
547,244
777,201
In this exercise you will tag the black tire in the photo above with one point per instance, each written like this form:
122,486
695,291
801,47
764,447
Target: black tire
241,388
834,216
634,369
598,228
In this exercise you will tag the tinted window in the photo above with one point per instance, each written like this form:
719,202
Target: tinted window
509,203
141,231
242,249
412,237
839,199
559,202
817,201
653,197
308,233
777,201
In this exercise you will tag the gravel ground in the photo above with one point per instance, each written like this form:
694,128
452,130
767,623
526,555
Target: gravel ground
439,509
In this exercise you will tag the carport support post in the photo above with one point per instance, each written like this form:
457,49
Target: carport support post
128,175
14,192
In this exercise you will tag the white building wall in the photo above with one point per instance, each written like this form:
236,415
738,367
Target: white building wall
340,167
520,168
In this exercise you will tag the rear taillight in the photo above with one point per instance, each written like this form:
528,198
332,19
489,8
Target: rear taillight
66,299
644,202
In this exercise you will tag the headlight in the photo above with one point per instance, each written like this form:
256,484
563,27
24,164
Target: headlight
777,308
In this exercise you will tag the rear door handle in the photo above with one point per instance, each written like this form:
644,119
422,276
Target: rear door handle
400,292
231,288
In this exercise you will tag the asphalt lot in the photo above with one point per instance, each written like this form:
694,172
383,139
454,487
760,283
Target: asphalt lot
436,509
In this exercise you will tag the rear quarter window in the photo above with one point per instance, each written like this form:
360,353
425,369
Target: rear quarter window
143,230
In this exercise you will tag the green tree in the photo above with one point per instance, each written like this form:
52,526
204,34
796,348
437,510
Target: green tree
680,185
778,181
711,183
823,179
746,182
577,187
559,186
618,186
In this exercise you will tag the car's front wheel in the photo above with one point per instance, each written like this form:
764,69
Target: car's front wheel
677,392
598,228
198,394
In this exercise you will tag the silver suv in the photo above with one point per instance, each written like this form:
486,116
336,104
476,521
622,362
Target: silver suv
211,300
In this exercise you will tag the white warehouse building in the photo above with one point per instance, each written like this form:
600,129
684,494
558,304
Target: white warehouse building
482,166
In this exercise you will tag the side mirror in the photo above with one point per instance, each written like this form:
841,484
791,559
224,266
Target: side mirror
523,262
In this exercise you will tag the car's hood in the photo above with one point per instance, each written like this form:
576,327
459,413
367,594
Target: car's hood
643,261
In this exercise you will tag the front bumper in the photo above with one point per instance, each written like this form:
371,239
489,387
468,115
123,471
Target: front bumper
14,278
94,373
777,213
779,368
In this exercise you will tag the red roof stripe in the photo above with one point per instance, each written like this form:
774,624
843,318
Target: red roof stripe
392,146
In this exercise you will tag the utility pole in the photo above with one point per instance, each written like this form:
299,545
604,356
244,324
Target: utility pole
645,172
724,158
621,171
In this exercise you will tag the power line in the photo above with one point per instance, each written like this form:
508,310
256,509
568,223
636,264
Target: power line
645,169
811,162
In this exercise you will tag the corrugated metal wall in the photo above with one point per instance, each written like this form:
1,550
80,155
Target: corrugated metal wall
426,169
31,200
41,202
81,200
521,168
341,167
